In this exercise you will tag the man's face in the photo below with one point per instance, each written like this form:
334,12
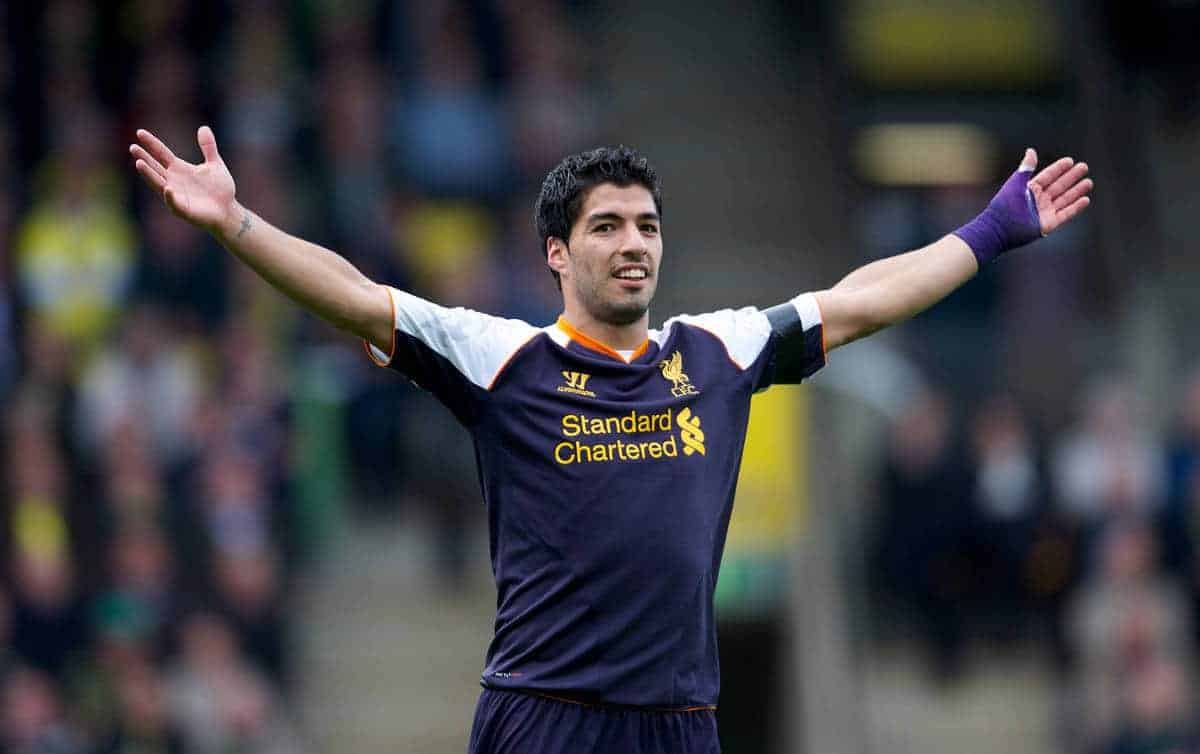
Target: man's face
610,265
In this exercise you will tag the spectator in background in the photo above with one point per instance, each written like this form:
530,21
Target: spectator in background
48,628
1010,497
220,701
1126,614
141,586
45,392
165,85
123,646
259,102
149,378
252,418
134,489
180,273
552,111
249,592
452,133
353,141
142,725
76,246
925,494
31,716
1156,712
236,509
1109,465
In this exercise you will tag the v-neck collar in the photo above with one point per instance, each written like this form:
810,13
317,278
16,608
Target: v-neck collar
592,344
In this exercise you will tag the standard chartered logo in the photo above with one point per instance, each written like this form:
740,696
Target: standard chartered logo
689,432
634,436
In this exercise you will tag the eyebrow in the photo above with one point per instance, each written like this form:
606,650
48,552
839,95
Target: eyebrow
614,216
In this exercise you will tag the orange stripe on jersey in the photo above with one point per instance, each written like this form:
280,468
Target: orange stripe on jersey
592,344
508,361
391,351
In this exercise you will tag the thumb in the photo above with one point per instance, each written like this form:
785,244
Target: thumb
1027,164
208,144
172,201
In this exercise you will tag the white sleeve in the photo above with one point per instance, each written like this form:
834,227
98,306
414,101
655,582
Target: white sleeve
454,353
744,332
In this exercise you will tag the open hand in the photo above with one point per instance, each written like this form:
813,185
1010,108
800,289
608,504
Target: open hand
1060,191
201,194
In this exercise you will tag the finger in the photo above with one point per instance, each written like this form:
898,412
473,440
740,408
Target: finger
156,148
1053,171
1067,180
1072,194
156,181
208,144
1029,162
1079,205
141,154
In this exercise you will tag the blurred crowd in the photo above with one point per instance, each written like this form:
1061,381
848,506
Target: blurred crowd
1081,541
174,432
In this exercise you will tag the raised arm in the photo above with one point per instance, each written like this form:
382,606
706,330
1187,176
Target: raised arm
313,276
891,290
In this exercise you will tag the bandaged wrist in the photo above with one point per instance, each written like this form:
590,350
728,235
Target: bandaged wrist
1009,221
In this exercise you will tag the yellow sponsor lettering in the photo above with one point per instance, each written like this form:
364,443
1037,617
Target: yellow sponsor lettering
619,432
563,453
570,425
670,449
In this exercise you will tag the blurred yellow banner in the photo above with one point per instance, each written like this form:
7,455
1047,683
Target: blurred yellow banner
770,502
963,43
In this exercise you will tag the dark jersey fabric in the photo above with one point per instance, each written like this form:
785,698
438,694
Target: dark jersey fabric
608,486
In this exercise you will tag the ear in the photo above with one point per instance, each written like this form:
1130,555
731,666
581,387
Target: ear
556,254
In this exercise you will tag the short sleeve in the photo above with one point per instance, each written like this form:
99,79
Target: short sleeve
454,353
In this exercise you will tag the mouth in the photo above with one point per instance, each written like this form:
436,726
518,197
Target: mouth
632,275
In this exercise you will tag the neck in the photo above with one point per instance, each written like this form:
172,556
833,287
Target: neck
620,337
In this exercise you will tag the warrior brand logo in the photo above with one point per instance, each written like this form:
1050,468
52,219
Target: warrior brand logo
576,384
672,369
689,432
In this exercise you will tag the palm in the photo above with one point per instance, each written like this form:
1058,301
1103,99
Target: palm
1060,191
201,194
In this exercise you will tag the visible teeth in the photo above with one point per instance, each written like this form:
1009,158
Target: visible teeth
632,274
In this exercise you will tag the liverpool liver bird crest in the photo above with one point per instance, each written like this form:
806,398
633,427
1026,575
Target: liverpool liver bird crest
672,369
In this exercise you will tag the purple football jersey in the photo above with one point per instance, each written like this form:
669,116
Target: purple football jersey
608,483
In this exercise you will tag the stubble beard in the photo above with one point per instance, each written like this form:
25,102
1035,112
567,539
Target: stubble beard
608,311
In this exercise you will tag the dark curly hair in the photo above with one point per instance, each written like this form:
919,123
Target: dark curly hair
568,183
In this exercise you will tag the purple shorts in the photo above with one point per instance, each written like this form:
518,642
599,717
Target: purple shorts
514,722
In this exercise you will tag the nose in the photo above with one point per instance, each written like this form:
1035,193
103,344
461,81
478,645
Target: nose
633,243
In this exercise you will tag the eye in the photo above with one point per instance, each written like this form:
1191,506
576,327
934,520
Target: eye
603,228
650,228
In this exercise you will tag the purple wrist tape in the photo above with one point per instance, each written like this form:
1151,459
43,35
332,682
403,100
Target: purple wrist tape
1010,220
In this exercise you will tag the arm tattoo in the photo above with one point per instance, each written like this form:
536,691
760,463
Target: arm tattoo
245,225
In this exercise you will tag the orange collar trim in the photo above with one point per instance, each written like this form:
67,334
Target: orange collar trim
592,344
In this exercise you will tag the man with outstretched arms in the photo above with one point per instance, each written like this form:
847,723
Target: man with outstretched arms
607,451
